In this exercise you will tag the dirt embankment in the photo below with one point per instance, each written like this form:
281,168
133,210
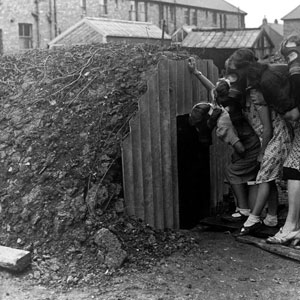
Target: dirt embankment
63,115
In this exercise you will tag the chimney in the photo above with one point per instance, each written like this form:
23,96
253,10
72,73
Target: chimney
265,21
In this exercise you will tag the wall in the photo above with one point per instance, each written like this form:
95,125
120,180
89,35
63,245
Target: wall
12,13
184,16
55,16
291,26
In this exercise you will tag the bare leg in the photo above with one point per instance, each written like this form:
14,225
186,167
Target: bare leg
252,195
292,219
265,190
241,194
273,200
290,229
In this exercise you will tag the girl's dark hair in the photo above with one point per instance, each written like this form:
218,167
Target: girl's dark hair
242,58
254,73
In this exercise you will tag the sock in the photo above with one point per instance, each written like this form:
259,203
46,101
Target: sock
252,219
270,220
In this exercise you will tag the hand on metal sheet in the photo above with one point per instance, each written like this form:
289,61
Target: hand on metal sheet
192,65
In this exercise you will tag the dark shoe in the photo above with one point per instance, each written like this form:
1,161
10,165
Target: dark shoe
235,217
249,229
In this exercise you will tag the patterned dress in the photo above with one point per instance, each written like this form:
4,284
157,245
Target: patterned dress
293,159
278,147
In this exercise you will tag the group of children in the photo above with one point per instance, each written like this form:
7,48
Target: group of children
254,109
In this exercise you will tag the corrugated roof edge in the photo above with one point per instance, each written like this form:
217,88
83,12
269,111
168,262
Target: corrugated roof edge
119,21
90,19
87,19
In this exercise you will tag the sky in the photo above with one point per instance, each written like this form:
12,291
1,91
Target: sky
258,9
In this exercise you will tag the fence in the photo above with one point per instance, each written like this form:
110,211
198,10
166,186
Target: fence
149,152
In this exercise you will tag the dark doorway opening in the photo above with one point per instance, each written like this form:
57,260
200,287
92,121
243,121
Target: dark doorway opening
193,175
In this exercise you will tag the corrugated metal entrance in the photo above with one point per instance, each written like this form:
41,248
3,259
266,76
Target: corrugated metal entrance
149,152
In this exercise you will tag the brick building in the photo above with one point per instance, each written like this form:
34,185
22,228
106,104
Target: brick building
33,23
291,22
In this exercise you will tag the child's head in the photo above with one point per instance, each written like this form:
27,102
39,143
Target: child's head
204,115
200,113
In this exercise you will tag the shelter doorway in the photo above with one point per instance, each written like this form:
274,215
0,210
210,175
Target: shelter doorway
149,152
193,174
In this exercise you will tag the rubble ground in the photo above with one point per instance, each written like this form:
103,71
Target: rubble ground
214,266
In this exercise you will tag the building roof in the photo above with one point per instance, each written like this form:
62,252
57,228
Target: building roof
294,14
219,5
223,39
98,29
276,27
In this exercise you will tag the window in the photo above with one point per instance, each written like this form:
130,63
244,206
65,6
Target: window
225,21
187,16
83,4
215,18
195,17
172,13
132,11
141,12
103,7
161,13
25,36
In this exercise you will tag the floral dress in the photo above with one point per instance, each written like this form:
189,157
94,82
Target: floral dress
293,159
278,147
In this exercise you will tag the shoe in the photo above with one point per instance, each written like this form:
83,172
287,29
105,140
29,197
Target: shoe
283,237
235,217
249,229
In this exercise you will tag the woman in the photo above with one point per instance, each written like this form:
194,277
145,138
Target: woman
291,169
273,133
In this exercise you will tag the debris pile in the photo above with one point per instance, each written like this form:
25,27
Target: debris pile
63,115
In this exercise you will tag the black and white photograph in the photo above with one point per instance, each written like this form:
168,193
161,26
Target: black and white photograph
149,150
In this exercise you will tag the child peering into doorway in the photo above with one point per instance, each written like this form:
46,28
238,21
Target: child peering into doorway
233,128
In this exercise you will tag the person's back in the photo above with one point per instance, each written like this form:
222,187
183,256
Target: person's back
276,87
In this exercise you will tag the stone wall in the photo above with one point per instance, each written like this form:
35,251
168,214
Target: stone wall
291,26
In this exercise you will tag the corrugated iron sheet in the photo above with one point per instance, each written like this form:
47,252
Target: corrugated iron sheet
149,152
124,28
81,35
230,39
